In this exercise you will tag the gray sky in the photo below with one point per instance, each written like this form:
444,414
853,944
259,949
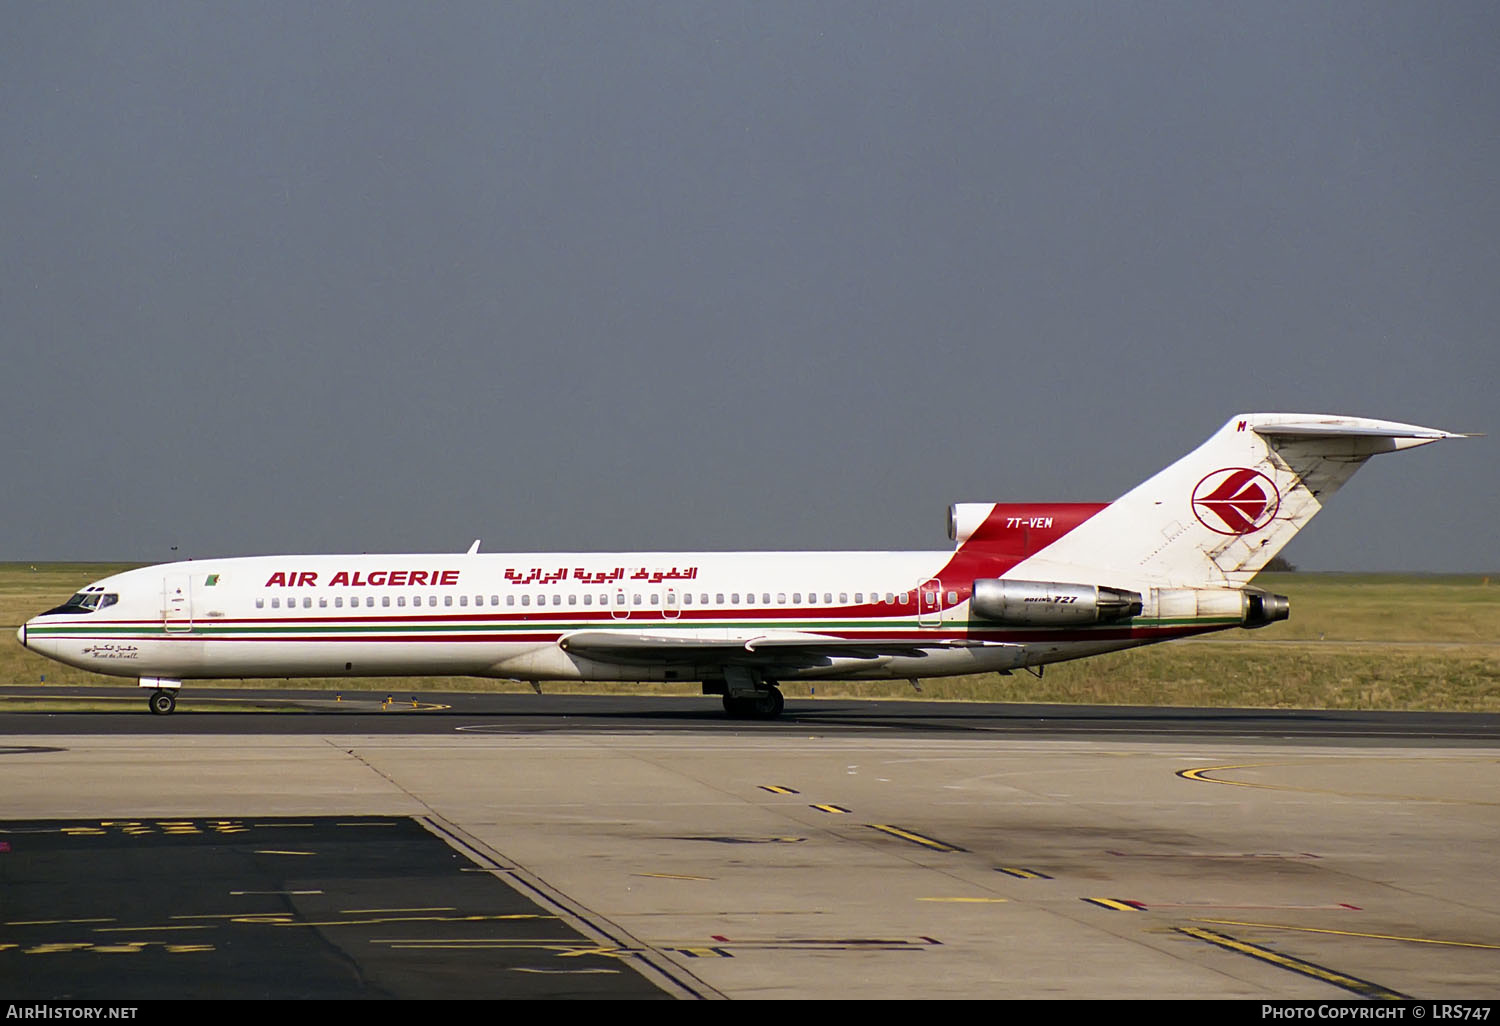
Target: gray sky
372,276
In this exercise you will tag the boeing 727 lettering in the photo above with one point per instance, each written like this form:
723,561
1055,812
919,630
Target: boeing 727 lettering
1026,584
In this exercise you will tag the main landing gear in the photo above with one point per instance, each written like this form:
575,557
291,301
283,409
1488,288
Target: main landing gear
748,694
762,705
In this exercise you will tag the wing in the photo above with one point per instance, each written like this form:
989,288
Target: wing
781,648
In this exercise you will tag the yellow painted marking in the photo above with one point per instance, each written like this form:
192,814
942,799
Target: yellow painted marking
1024,874
83,831
273,851
830,808
970,901
373,911
1198,775
1364,988
1118,906
907,835
778,789
282,825
673,876
489,942
55,922
231,915
53,949
133,948
1355,933
397,919
609,952
145,929
181,949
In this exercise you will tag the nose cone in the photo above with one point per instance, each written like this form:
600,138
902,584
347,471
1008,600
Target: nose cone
21,634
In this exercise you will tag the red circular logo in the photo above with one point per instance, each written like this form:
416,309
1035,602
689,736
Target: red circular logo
1235,500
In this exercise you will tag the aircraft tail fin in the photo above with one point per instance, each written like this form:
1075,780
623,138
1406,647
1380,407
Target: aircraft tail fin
1220,513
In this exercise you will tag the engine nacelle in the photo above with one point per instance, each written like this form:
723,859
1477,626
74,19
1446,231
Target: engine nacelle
1251,606
1050,604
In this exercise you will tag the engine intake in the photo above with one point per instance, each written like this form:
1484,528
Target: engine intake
1051,604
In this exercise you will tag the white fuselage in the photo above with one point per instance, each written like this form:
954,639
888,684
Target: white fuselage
504,615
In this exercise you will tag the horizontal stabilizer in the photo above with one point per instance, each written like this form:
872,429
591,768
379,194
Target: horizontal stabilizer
1216,517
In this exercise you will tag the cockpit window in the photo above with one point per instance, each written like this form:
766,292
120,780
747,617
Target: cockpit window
86,602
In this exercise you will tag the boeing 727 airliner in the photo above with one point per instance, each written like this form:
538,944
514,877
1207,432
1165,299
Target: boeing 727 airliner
1026,584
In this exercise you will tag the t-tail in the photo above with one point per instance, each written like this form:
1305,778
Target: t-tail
1217,516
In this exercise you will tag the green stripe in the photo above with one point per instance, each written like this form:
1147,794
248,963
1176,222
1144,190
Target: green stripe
207,627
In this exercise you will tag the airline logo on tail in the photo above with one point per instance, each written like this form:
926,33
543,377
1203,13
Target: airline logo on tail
1235,500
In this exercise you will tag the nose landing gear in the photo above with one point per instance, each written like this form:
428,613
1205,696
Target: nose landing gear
163,694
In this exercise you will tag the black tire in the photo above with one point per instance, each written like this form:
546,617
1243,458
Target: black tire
162,702
768,706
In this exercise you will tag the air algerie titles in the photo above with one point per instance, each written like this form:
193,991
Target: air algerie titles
360,579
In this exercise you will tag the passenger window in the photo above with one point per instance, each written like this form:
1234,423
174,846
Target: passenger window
322,602
796,598
510,600
260,603
385,600
952,597
765,598
307,602
525,600
432,600
401,601
735,598
637,598
463,600
276,603
843,598
588,599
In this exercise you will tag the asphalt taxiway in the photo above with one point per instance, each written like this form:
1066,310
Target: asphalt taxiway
870,850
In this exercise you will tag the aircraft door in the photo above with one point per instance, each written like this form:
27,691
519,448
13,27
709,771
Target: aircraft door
930,603
177,603
670,610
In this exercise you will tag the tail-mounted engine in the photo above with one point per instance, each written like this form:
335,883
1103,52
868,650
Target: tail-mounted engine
1251,606
1049,604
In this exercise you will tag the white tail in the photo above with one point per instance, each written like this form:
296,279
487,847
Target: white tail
1218,515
